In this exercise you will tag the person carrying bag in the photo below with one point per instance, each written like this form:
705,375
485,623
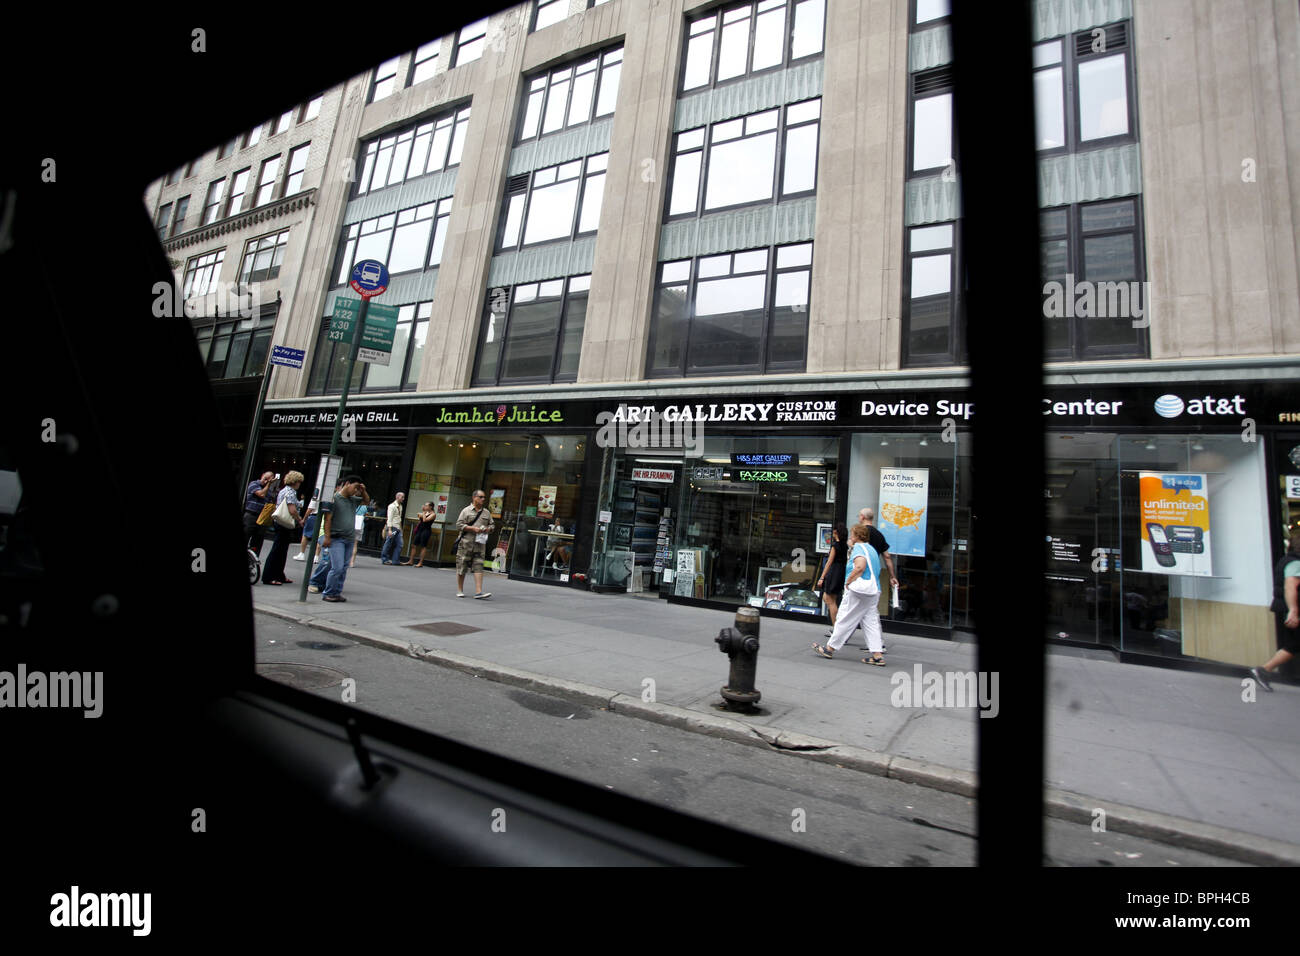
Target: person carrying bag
861,600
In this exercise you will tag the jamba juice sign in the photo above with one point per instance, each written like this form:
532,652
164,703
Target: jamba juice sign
496,415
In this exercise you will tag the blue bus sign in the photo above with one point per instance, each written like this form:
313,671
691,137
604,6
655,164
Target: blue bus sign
369,278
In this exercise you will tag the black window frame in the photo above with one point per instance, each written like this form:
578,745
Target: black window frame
457,54
416,62
376,79
327,353
179,215
163,219
232,196
195,264
537,10
778,168
1069,66
764,366
345,254
787,60
306,116
549,76
211,207
271,165
938,82
458,117
279,241
494,298
956,354
585,174
1080,350
290,188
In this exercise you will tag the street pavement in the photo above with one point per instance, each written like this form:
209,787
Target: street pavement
1167,754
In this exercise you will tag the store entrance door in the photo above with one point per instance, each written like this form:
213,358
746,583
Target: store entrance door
1083,540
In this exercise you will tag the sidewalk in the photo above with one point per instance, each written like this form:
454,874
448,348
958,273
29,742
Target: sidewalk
1180,748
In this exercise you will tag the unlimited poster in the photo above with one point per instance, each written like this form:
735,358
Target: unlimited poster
1174,522
901,516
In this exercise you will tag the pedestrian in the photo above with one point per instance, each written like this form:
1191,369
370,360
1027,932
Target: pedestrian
308,530
473,527
861,599
359,523
877,540
338,536
273,570
423,531
254,502
1286,610
392,549
831,583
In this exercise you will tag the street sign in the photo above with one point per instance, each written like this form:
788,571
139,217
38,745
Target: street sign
369,278
343,321
377,338
283,355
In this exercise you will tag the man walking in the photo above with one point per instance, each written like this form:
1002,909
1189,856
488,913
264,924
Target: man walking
877,540
254,499
1286,611
338,538
473,526
393,543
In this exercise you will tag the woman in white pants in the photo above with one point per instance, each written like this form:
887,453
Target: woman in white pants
861,600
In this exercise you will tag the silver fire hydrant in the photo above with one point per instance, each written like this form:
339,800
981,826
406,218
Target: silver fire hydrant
741,644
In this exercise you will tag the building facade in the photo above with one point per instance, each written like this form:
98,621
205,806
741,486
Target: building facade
679,285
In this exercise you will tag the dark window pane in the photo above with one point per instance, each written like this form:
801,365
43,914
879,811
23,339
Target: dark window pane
728,325
1103,217
789,320
256,363
238,352
1108,258
1052,222
491,350
669,332
575,319
1055,260
530,352
929,326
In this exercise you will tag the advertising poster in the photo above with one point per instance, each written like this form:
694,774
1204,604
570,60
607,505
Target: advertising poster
1174,523
440,507
546,501
904,500
496,499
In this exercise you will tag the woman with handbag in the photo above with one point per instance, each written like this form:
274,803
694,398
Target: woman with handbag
420,540
861,600
287,522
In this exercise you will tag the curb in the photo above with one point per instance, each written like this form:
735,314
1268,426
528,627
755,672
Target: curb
1058,804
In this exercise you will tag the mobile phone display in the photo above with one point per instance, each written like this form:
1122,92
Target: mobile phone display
1160,545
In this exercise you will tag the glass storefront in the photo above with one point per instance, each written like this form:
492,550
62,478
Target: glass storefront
532,483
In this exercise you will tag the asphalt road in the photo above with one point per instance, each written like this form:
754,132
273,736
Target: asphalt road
846,814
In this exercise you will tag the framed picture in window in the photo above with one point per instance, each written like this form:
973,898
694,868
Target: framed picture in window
824,538
496,499
831,479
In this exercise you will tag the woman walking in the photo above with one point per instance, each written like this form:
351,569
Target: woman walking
273,570
861,600
420,540
831,583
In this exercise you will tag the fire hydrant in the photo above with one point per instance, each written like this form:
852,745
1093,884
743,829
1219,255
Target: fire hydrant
741,644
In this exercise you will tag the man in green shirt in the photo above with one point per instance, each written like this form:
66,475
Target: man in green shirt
338,538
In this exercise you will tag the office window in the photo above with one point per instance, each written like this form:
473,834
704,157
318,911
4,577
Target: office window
1092,256
202,273
212,204
312,109
385,80
736,312
736,162
283,123
238,350
404,241
932,120
239,186
471,41
1082,89
550,11
228,148
425,62
930,332
164,213
426,148
571,95
182,207
595,3
931,11
297,169
739,40
266,182
558,202
175,176
262,258
533,332
252,137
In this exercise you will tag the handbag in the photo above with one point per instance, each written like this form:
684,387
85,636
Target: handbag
264,518
283,517
865,584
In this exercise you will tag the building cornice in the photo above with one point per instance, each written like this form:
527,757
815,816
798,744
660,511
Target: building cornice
273,210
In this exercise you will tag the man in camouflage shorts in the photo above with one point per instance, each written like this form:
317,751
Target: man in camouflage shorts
474,522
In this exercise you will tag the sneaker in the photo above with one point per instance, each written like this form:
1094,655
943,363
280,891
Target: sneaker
313,589
460,594
485,594
300,556
1258,674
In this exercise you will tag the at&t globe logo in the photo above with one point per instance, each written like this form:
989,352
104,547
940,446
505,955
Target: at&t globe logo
1169,406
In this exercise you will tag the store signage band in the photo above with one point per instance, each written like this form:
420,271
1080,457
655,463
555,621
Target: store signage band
764,460
663,475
